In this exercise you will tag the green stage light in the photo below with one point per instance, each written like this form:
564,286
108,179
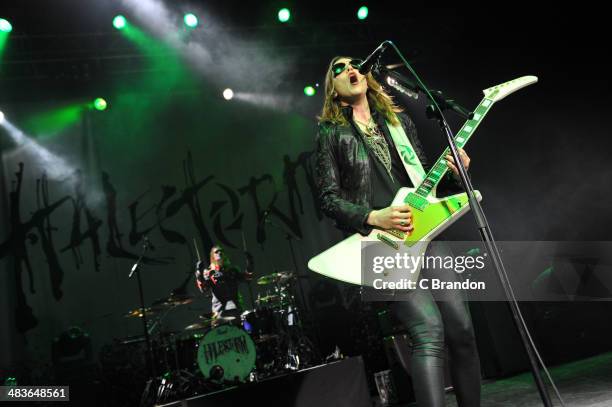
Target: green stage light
5,26
190,20
309,91
49,122
119,22
5,30
100,104
284,15
362,13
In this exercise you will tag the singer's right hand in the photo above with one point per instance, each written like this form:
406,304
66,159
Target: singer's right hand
393,217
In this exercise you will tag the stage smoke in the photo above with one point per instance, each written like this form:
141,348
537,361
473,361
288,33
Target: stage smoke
55,167
215,54
283,103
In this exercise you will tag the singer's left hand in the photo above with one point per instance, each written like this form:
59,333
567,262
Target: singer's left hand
450,162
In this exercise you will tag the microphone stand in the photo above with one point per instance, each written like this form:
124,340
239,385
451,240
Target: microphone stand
485,232
136,270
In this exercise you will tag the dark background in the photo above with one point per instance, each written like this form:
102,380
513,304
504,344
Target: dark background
540,158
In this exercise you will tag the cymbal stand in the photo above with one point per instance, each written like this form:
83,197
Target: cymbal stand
136,270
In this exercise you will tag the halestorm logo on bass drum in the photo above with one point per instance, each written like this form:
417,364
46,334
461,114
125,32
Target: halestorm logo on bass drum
214,350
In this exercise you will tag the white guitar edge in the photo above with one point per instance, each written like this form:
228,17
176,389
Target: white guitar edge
510,87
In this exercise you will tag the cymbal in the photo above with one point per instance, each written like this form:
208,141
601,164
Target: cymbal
273,278
198,325
207,321
268,299
207,316
137,312
174,300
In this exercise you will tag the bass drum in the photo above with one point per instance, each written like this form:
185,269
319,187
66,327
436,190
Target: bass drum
226,354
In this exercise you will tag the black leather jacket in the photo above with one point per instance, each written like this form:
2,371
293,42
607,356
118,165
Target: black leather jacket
343,172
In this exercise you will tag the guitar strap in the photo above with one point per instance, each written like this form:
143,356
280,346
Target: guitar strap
410,160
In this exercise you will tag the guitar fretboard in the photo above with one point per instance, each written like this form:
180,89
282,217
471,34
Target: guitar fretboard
438,170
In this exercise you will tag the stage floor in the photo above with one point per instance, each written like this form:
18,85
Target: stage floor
585,383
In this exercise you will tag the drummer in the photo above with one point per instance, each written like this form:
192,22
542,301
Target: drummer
222,277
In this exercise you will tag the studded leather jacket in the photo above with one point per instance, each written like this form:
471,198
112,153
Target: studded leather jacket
343,172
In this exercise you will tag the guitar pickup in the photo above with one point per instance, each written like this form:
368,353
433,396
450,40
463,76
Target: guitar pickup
397,233
387,241
416,201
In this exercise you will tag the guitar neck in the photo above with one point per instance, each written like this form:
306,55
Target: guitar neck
438,170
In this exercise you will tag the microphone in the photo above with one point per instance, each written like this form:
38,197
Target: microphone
133,270
372,59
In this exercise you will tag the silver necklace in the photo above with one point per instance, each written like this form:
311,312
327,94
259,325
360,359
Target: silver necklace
377,143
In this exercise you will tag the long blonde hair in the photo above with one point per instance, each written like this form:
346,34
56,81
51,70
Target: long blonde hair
225,261
377,98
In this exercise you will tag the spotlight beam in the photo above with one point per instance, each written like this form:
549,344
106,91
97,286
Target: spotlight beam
56,167
5,29
245,63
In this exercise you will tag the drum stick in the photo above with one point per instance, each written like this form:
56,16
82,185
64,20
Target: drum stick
195,245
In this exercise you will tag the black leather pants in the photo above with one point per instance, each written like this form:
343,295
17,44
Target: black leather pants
433,318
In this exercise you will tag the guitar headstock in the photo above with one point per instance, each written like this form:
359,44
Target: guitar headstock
498,92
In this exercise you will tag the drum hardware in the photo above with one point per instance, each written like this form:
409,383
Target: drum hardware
129,340
136,270
175,385
197,326
139,312
174,300
267,299
280,277
216,350
275,327
207,322
275,344
168,350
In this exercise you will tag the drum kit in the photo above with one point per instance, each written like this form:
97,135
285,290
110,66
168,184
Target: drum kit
231,348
